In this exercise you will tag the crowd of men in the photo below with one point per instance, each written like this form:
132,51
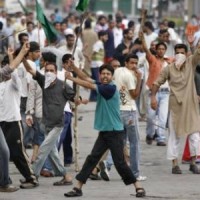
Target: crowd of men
134,72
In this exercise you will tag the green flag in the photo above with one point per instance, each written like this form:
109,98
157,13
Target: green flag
49,29
25,10
82,5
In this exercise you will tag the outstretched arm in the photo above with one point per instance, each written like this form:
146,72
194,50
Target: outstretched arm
80,82
79,72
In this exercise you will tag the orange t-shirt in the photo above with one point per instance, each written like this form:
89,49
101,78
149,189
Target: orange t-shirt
155,67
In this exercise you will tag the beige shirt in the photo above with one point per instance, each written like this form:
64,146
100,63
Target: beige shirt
183,100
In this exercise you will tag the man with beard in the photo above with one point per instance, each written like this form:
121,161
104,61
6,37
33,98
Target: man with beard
125,47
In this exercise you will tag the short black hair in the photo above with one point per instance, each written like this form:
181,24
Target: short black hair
49,57
161,44
171,24
131,24
102,33
129,56
106,66
126,31
66,57
101,17
149,25
54,64
21,35
88,23
181,46
29,22
162,31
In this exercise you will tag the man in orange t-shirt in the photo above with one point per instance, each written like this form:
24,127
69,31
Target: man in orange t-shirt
156,63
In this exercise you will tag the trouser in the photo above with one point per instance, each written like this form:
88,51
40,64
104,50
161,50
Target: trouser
66,139
130,122
49,148
113,140
28,131
162,112
39,137
4,161
13,133
174,143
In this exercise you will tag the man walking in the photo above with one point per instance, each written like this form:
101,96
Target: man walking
184,114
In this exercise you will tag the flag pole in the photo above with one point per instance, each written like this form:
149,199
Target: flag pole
75,125
38,26
143,16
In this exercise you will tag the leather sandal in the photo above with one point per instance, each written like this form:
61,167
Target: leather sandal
75,192
140,192
62,182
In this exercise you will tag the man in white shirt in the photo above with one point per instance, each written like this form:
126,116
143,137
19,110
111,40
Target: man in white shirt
128,81
11,125
69,47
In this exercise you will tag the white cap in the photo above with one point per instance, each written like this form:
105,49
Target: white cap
68,31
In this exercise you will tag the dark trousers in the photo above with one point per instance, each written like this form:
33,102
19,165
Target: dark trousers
66,139
13,133
112,140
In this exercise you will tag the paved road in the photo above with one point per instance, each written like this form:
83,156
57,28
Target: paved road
160,185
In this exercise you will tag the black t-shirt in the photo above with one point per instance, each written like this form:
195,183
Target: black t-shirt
54,100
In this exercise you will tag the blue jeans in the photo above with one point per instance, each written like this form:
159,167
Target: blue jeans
28,131
4,161
130,122
49,148
94,76
39,137
109,161
162,113
66,139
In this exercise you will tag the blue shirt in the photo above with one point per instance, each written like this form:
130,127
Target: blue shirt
107,114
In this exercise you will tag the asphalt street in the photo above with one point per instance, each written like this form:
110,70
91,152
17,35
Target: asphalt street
160,184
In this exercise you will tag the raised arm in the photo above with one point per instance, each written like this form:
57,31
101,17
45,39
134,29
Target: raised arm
28,67
79,72
15,63
144,45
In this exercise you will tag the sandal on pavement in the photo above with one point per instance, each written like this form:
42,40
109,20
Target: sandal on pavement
176,170
140,192
62,182
74,193
29,184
